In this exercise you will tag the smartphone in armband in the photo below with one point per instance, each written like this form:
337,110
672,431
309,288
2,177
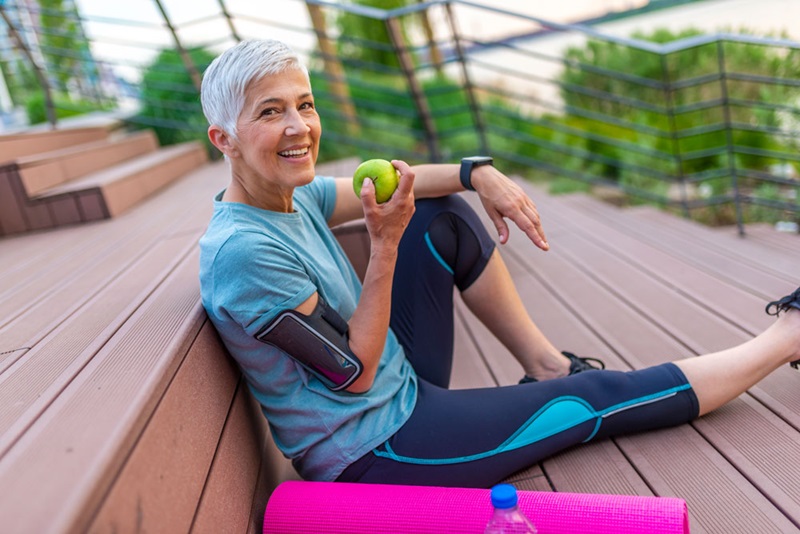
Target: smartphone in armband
318,342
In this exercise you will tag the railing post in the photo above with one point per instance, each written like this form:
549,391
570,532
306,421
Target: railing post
333,66
187,61
468,87
435,53
229,19
38,71
407,65
726,111
673,128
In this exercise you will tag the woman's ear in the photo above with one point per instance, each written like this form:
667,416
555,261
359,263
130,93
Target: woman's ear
220,139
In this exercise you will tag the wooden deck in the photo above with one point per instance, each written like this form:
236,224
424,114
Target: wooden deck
119,411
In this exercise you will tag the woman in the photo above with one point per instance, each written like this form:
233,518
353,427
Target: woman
283,297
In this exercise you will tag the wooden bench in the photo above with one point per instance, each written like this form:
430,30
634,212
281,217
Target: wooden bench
121,411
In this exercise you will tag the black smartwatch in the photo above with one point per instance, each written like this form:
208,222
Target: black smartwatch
467,164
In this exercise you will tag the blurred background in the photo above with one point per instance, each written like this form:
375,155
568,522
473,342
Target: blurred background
691,105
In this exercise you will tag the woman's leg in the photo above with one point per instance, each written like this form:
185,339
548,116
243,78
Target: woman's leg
494,300
480,436
719,377
447,246
477,437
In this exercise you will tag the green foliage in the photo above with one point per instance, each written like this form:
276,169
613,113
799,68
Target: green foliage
63,104
62,44
688,127
20,79
367,39
170,102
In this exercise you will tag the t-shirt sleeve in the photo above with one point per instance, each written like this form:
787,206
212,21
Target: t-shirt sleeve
323,190
256,278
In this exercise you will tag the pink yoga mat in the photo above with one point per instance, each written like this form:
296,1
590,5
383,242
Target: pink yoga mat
339,508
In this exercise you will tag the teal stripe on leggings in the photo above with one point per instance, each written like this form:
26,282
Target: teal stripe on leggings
436,254
556,416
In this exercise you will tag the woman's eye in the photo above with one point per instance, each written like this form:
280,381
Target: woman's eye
268,111
307,105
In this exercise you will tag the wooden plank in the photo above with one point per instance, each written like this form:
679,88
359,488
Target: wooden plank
65,210
42,171
275,468
678,462
36,378
227,500
27,308
138,166
24,144
12,219
110,400
640,343
782,262
354,239
163,478
703,331
733,269
766,235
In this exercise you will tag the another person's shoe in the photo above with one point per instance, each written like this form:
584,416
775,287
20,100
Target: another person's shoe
782,305
577,365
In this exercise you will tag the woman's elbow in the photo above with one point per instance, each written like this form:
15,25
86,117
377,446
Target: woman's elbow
364,382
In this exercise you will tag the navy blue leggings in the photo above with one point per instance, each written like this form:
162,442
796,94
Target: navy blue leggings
478,437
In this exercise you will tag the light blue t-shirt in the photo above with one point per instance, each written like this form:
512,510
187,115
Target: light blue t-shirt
256,263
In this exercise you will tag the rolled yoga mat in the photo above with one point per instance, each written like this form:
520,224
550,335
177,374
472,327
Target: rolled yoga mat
339,508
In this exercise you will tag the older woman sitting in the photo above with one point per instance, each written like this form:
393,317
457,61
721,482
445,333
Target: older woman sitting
353,377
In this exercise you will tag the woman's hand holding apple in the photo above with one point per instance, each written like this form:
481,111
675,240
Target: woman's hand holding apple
387,221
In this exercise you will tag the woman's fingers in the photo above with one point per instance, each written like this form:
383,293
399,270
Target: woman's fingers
407,177
368,194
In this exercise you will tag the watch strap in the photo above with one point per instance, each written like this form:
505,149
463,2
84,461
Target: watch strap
467,164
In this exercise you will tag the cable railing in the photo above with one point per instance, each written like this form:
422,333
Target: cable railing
706,125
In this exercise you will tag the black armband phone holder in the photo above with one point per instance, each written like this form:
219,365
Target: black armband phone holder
318,342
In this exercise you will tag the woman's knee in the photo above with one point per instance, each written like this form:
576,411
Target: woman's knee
456,237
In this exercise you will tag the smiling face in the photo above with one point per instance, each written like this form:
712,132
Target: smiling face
278,135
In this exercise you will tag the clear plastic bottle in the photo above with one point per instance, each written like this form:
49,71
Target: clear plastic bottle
507,517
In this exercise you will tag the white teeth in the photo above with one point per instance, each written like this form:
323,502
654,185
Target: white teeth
300,152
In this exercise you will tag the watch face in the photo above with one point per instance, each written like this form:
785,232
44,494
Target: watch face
479,159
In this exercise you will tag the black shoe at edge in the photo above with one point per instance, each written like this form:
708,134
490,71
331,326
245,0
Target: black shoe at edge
577,365
783,305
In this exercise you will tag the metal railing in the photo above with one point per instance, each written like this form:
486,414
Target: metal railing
706,124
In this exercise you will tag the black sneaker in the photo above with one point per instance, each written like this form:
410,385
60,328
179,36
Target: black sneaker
783,305
577,365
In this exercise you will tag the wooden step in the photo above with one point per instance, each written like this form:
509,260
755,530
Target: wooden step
125,184
19,145
99,195
50,169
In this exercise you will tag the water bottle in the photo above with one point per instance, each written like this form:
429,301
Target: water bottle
507,517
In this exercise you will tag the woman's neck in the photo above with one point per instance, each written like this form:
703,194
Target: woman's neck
267,198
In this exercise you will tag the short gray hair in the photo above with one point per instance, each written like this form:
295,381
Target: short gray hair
227,77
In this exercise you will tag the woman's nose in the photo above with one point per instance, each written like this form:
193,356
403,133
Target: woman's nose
296,124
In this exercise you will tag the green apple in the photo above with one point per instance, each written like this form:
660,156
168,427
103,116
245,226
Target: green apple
383,175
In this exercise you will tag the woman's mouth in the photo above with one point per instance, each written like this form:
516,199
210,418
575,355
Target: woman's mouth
297,153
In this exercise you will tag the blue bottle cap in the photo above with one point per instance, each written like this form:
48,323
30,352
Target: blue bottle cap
504,496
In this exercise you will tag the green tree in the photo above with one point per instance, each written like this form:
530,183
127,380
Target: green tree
64,47
615,82
366,39
170,101
20,80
